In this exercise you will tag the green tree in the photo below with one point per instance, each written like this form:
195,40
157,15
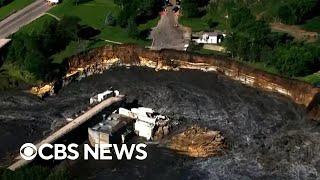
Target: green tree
32,52
295,11
190,8
132,29
293,60
139,10
68,28
286,14
240,19
248,37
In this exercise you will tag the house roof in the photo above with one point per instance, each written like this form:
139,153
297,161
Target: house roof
211,33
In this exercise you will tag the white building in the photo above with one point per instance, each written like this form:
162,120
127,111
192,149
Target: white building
53,1
145,123
210,38
146,120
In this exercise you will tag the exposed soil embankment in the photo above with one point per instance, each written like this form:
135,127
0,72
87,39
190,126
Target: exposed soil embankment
103,58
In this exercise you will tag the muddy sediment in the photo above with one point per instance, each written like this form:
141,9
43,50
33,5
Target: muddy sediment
269,136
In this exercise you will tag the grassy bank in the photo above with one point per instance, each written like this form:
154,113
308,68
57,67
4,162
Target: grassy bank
12,7
197,24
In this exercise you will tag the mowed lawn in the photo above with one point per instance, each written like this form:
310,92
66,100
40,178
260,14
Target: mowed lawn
93,13
12,7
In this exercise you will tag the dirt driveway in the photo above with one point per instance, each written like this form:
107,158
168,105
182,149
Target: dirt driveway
168,34
295,31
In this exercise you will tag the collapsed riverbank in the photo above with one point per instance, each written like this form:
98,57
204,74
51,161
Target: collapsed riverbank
268,135
101,59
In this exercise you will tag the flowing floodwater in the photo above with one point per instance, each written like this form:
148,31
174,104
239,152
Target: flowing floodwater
268,135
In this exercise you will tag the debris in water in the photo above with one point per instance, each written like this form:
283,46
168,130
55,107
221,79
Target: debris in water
198,142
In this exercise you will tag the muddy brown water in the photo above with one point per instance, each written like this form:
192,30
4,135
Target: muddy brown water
268,135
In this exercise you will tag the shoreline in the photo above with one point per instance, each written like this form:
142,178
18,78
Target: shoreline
101,59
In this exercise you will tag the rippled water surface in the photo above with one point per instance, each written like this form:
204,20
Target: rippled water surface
269,136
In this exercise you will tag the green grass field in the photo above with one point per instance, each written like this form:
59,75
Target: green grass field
35,26
12,7
93,13
196,24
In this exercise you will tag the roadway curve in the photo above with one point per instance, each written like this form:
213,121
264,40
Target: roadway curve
23,17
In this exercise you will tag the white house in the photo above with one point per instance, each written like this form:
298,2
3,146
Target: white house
210,38
53,1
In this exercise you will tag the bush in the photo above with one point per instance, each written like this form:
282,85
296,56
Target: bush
110,20
286,14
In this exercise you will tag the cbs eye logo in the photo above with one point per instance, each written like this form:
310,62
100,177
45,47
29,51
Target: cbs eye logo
28,151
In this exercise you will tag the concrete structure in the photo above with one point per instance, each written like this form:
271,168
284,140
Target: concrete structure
69,127
123,122
112,130
118,125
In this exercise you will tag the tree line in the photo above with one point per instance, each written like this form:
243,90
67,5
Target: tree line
33,51
4,2
133,13
252,40
289,11
250,37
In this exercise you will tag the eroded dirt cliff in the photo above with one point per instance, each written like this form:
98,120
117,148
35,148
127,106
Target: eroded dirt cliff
101,59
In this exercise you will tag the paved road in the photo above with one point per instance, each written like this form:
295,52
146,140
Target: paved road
166,35
12,23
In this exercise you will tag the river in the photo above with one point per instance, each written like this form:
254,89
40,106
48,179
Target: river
269,136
